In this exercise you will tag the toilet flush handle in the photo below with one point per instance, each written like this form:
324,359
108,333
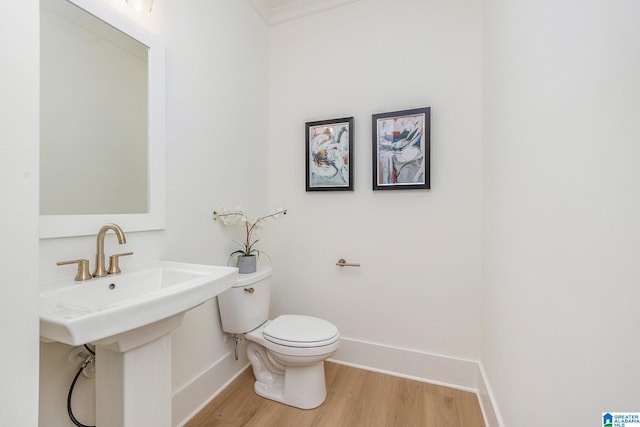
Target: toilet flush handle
249,290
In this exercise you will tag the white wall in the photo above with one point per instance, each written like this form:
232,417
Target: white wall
216,150
419,284
561,229
19,191
553,321
217,146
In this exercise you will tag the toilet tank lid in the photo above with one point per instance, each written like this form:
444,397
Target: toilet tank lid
300,331
249,279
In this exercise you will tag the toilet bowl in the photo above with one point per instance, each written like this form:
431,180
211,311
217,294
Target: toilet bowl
287,353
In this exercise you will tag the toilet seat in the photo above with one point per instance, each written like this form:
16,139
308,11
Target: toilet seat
300,331
321,346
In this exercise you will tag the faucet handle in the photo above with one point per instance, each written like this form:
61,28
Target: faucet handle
114,268
83,269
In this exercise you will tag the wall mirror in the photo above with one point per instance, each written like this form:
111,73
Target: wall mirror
102,121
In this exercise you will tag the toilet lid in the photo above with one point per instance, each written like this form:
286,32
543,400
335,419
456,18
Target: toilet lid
300,331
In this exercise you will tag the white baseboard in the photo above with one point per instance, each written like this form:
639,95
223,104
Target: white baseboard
447,371
488,404
195,395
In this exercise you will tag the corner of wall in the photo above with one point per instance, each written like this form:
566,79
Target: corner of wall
468,375
195,395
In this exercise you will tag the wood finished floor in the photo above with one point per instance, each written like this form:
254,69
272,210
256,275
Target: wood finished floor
355,398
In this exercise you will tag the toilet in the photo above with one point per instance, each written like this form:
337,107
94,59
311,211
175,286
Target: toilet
287,353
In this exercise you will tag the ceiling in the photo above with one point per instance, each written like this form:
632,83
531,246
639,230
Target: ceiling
277,11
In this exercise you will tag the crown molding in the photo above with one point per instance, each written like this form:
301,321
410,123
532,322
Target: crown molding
263,8
275,12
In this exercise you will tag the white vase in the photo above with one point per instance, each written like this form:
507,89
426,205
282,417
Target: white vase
247,264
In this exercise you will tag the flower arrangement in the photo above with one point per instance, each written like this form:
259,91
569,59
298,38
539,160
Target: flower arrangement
251,226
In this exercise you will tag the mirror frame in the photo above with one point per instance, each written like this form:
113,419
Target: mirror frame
52,226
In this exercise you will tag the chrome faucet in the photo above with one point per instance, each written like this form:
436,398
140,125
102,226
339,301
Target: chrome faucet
100,270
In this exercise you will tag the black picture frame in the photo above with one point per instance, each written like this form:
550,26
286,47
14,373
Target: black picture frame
329,155
401,149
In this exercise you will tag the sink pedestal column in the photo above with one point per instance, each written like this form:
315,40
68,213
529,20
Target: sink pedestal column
133,380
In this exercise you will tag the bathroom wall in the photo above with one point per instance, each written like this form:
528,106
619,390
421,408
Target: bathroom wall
561,208
558,215
18,189
216,150
419,284
217,114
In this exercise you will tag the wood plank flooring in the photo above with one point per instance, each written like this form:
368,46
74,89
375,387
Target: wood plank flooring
355,398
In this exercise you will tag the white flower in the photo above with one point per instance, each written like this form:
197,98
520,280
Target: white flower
251,225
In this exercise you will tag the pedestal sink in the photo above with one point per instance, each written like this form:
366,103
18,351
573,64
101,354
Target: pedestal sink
129,317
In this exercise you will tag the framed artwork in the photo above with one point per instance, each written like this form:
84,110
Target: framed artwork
329,153
401,145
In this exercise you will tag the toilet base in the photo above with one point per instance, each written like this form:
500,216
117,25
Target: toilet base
301,387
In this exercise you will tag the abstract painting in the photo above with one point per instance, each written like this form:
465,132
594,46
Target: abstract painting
329,150
401,149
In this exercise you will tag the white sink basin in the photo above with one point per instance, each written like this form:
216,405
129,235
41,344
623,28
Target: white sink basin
77,313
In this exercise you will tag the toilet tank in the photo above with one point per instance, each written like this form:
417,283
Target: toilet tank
245,306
